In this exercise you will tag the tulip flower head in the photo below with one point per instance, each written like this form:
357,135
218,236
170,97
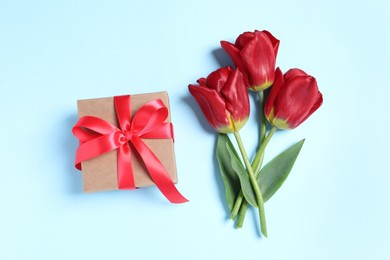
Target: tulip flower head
255,55
223,99
294,96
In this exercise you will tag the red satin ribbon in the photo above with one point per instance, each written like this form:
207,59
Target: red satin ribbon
97,137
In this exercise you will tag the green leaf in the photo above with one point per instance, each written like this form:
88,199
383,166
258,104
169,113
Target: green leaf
246,185
272,176
229,177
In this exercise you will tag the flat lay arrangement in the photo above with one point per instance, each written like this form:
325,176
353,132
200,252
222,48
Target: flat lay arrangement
105,151
194,130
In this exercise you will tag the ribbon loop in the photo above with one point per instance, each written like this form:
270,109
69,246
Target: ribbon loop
98,136
154,112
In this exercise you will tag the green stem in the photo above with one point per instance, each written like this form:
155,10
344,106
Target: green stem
257,162
241,214
241,205
262,117
237,204
255,185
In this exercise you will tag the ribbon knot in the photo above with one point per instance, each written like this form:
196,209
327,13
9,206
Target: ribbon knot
98,136
126,136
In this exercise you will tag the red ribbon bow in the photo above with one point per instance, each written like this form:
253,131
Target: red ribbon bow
97,137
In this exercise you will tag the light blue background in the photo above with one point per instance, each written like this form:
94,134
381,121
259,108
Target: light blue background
336,201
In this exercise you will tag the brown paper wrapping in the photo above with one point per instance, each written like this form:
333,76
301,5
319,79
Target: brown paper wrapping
100,173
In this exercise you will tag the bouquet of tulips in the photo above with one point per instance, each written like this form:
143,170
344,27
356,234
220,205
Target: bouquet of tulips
223,99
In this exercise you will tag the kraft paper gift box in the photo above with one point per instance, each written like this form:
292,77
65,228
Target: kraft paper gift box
100,173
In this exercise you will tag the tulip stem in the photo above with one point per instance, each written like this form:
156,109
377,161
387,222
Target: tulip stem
258,161
241,214
237,204
256,165
240,199
255,185
262,117
241,204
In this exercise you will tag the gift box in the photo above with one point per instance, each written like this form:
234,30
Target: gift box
126,142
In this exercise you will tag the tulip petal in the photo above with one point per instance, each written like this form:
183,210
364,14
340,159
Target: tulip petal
295,100
291,73
217,79
316,105
275,42
233,52
236,96
202,81
243,39
278,83
212,106
259,60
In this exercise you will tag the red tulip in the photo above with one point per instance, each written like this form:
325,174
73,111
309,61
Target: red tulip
255,55
294,96
223,98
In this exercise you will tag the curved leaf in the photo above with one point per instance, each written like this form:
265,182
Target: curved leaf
246,185
229,177
272,176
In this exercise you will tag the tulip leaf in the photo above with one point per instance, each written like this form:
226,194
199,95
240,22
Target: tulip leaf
272,176
229,176
240,170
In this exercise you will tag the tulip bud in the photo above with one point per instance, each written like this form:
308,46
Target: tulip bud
294,96
223,99
255,55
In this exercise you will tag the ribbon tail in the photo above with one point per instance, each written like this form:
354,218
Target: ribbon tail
125,169
157,172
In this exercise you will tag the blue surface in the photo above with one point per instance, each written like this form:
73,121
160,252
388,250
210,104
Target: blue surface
335,203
